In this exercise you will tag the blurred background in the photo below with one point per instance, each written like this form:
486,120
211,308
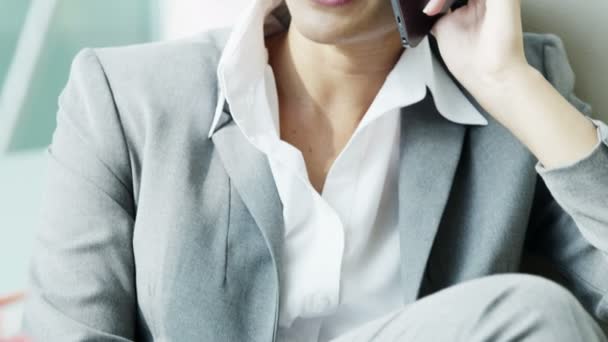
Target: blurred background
39,38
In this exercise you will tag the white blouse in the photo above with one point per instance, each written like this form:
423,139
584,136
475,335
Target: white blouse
341,261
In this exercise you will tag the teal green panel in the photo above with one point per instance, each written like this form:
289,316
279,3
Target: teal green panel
12,15
76,24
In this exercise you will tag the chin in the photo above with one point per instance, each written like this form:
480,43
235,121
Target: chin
356,22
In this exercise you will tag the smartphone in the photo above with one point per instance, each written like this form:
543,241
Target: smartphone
414,24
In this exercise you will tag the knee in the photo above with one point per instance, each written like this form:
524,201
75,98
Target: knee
506,307
543,306
537,307
529,284
541,295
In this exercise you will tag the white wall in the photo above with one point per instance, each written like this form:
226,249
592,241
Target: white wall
180,18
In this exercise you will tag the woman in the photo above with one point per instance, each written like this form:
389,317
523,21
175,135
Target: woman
304,178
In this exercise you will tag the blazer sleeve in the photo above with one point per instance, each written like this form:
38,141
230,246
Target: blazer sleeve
570,212
82,273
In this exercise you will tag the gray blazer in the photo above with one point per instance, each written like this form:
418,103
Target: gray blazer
152,231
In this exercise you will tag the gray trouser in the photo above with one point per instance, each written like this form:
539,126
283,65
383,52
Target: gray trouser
508,307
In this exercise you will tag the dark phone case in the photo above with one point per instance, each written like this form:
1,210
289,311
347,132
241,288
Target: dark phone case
413,24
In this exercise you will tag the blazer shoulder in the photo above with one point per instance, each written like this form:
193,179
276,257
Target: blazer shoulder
158,92
159,65
162,81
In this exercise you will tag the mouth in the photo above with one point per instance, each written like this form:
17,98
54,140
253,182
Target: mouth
332,3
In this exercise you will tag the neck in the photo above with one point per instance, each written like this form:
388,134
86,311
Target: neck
319,79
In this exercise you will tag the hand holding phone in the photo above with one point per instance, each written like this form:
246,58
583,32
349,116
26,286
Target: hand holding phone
414,25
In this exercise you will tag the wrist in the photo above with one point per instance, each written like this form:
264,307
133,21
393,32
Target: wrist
496,91
500,84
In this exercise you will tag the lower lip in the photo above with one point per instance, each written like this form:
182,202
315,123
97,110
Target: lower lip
333,3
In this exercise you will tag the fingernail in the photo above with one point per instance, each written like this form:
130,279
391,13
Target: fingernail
427,8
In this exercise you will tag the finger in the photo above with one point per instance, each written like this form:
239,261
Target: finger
434,7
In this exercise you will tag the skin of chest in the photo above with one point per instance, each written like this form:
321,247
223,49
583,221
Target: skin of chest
320,140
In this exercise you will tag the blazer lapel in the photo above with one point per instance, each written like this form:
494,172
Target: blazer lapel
431,147
250,174
430,152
